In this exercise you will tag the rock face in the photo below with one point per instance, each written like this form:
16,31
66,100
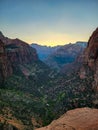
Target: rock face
20,52
92,56
64,55
10,124
91,59
5,68
44,51
91,52
14,52
78,119
4,39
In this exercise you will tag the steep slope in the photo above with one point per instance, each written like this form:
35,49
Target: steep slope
91,58
90,63
4,39
78,119
23,78
5,67
13,53
65,54
79,90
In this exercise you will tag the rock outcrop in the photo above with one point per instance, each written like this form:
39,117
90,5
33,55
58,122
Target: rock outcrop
91,52
13,53
4,39
65,55
20,52
5,67
78,119
90,59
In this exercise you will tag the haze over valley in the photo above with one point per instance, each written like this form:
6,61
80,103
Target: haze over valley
48,65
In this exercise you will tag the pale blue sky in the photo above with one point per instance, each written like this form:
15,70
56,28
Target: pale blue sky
49,22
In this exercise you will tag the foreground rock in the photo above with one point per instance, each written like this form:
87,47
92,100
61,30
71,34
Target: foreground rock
78,119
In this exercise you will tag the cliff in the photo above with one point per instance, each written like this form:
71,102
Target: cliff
13,53
77,119
20,52
90,60
65,55
5,67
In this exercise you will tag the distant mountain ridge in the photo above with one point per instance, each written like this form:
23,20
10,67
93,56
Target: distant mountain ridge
65,54
58,56
44,51
90,60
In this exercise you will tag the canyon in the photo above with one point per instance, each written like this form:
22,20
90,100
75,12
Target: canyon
32,94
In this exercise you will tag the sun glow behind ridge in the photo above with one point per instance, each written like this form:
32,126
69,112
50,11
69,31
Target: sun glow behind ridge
54,39
48,22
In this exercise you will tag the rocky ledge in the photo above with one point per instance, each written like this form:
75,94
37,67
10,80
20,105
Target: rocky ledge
77,119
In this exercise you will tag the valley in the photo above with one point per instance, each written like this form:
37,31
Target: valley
33,93
58,56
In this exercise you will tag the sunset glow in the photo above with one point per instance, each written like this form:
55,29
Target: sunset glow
49,22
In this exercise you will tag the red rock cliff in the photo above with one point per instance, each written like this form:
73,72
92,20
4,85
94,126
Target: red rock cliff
91,52
14,52
90,59
20,52
92,56
5,66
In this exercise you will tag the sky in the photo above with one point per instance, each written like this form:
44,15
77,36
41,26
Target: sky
49,22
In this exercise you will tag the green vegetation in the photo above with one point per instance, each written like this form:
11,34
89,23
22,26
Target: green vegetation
43,94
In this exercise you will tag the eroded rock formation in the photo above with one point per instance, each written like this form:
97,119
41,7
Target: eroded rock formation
13,53
90,59
5,67
78,119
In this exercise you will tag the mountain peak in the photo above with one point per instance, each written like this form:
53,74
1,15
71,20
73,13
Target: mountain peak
1,34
